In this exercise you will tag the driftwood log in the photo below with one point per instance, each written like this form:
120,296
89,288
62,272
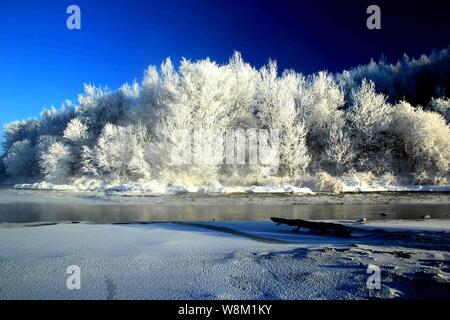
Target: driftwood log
421,239
324,228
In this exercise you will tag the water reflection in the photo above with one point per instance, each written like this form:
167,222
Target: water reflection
106,213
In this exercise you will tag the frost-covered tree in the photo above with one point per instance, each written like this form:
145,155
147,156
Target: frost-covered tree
20,130
144,161
242,93
205,90
425,139
57,162
76,135
276,109
339,151
53,121
369,113
76,132
294,157
120,152
319,105
173,124
43,144
201,102
159,88
111,154
369,118
20,159
414,80
441,106
99,106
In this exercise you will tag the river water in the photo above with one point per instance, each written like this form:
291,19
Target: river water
24,210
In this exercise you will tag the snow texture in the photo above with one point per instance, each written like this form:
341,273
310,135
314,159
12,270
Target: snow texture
234,260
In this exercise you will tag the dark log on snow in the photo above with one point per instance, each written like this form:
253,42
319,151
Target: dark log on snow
413,239
326,228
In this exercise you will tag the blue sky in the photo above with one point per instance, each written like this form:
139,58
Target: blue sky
42,63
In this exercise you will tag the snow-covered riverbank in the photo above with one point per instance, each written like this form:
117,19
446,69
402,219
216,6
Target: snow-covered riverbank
12,195
156,188
219,260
